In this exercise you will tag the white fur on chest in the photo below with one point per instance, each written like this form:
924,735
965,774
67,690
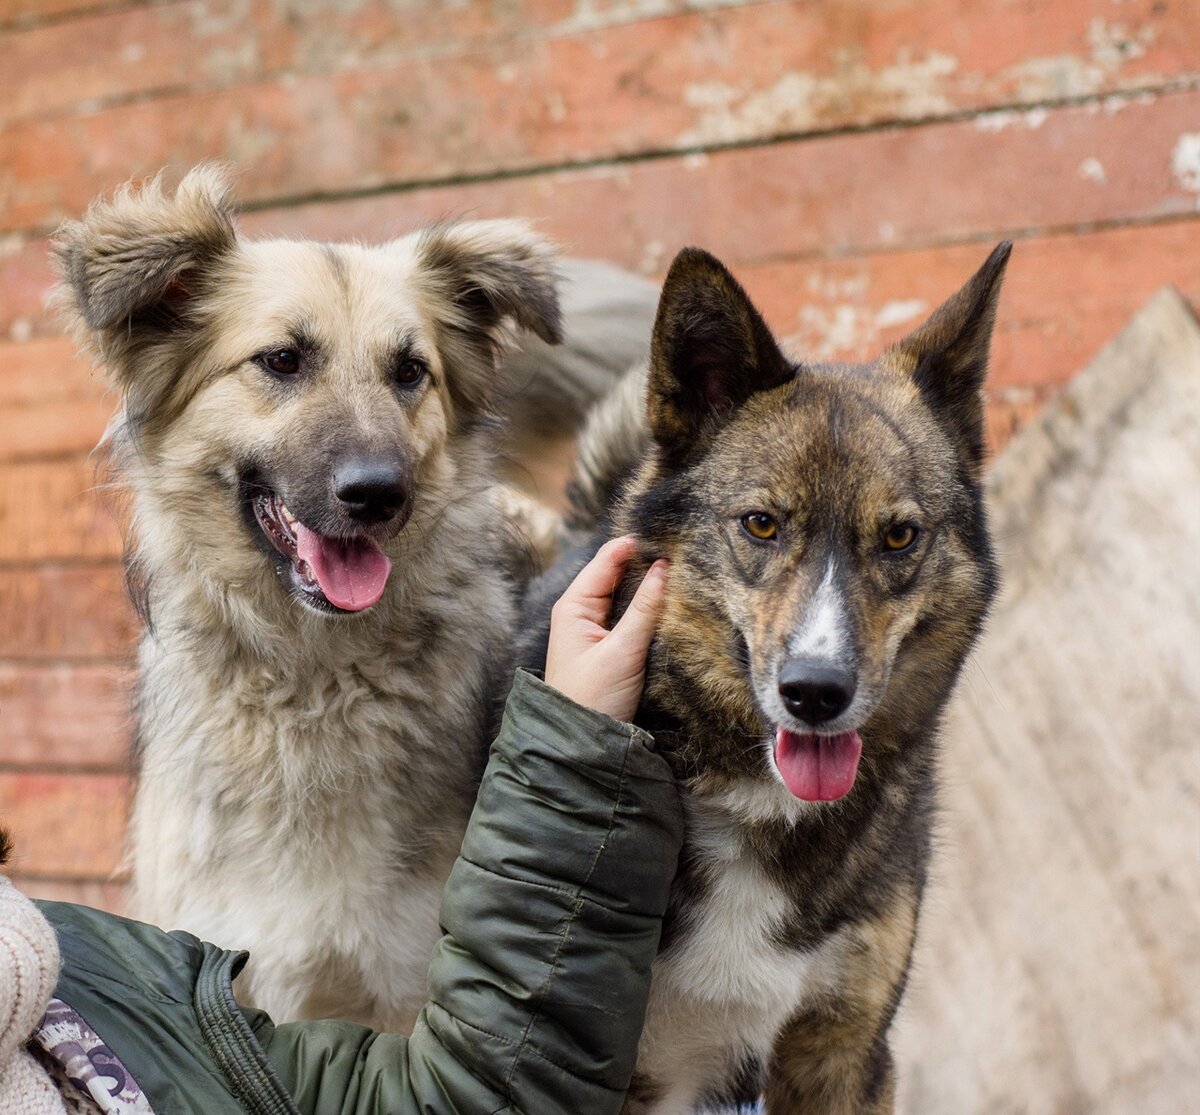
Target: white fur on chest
726,987
320,845
308,806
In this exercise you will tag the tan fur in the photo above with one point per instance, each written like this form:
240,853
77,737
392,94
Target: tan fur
824,1052
305,778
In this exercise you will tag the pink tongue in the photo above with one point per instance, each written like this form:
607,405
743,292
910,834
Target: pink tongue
817,768
352,575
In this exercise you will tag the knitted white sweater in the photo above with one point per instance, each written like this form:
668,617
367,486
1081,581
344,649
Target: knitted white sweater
28,974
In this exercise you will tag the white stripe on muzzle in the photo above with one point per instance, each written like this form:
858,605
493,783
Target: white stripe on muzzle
823,635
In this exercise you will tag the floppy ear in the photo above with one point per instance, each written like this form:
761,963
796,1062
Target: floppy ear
484,278
710,351
948,355
132,266
136,251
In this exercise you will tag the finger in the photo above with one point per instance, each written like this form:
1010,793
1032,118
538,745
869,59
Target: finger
635,629
590,594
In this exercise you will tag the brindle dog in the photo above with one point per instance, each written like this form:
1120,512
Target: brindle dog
831,569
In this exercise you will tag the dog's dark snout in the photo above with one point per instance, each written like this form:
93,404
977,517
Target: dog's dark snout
371,489
815,691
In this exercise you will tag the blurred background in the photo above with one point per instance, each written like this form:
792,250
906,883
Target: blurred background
852,161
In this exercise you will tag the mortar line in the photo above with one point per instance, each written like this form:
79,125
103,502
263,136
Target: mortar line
70,770
35,21
924,244
661,154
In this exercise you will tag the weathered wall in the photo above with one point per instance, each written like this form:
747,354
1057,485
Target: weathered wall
1057,968
852,160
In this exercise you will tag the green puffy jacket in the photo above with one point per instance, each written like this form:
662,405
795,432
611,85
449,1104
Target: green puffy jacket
537,991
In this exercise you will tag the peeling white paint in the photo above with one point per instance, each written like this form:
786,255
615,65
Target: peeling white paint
1117,102
591,15
1185,161
899,312
1016,396
840,328
998,121
11,243
847,328
1092,170
799,101
831,289
654,256
1110,46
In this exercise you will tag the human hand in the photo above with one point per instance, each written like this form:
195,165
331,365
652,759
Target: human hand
598,668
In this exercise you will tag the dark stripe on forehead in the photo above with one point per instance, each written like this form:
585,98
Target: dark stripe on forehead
878,411
337,266
845,382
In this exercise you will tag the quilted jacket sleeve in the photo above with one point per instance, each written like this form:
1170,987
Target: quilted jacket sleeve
552,917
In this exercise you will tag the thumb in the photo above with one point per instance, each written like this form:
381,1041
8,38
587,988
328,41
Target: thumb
635,629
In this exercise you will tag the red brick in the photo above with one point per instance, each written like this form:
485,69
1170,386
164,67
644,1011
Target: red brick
46,370
74,717
721,74
26,278
368,129
33,12
53,510
835,195
102,895
49,613
68,826
1064,297
52,402
106,56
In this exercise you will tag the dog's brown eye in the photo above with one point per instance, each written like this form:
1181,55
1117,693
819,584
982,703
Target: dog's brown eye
760,526
900,537
410,372
281,361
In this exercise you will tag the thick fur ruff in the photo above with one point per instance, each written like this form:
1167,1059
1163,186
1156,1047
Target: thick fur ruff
830,570
305,774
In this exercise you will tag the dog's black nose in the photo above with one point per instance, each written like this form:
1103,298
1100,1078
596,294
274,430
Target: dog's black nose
370,489
815,691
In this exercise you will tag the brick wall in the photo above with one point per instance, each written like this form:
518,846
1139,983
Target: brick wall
853,161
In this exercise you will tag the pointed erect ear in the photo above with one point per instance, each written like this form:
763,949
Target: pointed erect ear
143,248
711,350
483,278
948,355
